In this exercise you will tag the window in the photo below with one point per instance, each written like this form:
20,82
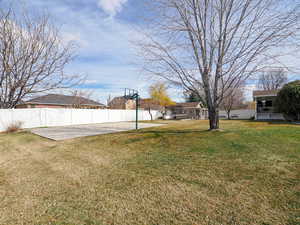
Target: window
259,103
269,103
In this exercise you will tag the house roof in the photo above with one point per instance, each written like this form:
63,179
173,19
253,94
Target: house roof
265,93
55,99
121,103
119,99
149,103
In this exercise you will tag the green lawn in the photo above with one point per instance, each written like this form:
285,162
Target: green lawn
180,174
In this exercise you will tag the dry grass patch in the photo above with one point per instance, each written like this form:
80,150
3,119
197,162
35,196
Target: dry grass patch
178,174
14,127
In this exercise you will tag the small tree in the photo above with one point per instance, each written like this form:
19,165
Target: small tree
232,100
158,93
288,101
272,80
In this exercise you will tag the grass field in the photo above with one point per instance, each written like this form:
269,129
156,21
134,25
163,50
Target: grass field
177,174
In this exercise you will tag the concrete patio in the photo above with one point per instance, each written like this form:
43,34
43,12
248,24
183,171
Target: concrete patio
76,131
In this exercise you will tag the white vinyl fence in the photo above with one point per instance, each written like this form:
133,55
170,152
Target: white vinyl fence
45,117
243,114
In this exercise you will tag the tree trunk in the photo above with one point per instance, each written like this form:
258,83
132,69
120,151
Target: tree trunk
164,112
228,115
149,110
213,119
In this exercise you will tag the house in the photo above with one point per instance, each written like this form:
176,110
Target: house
148,103
188,110
121,103
129,104
244,111
265,109
61,101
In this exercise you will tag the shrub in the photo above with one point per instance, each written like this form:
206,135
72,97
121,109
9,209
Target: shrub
14,127
288,100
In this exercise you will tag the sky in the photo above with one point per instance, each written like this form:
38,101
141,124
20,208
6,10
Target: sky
102,31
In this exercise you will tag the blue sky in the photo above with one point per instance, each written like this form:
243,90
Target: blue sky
102,31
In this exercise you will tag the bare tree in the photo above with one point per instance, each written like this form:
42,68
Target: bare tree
233,100
214,45
272,79
32,57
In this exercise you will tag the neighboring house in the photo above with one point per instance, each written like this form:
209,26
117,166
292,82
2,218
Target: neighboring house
129,104
265,109
188,110
121,103
244,111
154,109
148,103
61,101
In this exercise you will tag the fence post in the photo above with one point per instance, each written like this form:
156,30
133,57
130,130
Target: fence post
45,116
40,114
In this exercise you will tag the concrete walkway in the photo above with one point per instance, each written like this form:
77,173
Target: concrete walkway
75,131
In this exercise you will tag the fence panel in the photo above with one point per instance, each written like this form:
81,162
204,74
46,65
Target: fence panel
46,117
239,114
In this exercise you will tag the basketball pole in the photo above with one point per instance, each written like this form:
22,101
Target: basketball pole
134,94
137,112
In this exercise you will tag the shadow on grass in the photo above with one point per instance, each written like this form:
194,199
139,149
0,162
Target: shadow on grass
275,122
164,135
172,131
283,122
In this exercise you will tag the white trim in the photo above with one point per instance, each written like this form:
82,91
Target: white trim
261,96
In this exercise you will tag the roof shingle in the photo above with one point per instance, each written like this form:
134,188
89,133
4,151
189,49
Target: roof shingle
55,99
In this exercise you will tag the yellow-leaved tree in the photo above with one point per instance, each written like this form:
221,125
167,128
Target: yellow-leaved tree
159,94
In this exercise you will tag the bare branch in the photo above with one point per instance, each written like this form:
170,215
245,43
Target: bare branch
32,58
213,46
272,79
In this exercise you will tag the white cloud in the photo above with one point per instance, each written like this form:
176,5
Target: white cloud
112,7
74,37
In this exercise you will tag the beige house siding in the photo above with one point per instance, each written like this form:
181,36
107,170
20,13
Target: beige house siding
121,103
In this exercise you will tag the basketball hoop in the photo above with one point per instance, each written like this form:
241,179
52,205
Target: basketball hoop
130,93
